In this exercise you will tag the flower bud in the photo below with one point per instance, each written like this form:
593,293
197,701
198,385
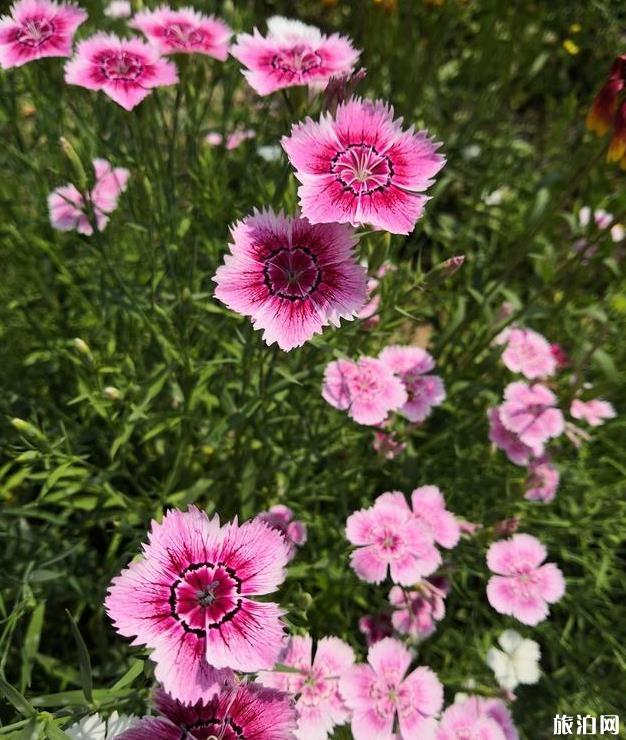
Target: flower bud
82,346
74,159
111,393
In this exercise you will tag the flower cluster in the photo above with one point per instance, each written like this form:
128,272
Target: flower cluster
609,111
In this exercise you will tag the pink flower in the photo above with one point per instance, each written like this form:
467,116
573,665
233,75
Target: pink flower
189,598
380,690
389,539
374,627
387,445
280,518
594,412
243,711
417,610
560,356
517,452
124,69
316,684
360,167
366,388
424,391
543,480
292,54
428,507
233,140
184,31
602,219
529,353
476,717
70,211
529,411
36,29
368,314
523,587
292,278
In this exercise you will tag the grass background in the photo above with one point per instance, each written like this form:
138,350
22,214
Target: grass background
209,415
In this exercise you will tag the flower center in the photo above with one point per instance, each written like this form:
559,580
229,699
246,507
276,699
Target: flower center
293,274
297,60
204,597
364,384
213,729
362,170
34,32
183,34
526,583
388,540
384,695
121,65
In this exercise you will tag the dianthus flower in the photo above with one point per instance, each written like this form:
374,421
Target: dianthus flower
381,690
244,712
315,683
280,518
523,587
94,727
424,391
124,69
36,29
118,9
291,277
417,610
517,452
530,412
374,627
189,598
184,31
594,412
517,662
387,445
70,210
543,480
477,717
367,389
233,139
527,352
387,538
292,54
360,167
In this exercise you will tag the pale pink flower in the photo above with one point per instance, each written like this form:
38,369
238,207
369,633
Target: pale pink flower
517,452
118,9
529,353
369,313
417,610
190,599
280,517
315,685
71,211
360,167
594,412
387,445
292,54
124,69
374,627
291,277
381,690
479,718
523,587
36,29
542,481
602,220
530,412
233,140
388,539
367,389
184,31
424,391
246,710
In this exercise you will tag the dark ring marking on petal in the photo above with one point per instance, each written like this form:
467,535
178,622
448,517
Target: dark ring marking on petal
296,61
281,293
339,169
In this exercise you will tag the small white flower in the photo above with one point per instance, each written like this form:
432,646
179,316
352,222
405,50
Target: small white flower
270,152
93,727
118,9
517,662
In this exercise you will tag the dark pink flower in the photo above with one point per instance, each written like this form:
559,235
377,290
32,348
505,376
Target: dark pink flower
542,481
291,277
190,599
292,54
594,412
560,356
36,29
184,31
280,517
387,445
517,452
374,627
124,69
479,718
530,412
417,610
360,167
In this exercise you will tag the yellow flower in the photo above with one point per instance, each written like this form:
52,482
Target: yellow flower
575,28
570,47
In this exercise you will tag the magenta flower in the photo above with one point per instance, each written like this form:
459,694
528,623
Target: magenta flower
477,717
124,69
280,518
374,627
184,31
523,587
417,610
36,29
594,412
71,211
529,411
517,452
292,278
190,599
387,538
367,389
292,54
380,691
543,480
528,352
424,391
316,684
245,711
360,167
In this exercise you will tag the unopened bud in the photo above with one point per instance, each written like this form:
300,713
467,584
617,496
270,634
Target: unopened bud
77,165
82,346
449,267
506,527
111,393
